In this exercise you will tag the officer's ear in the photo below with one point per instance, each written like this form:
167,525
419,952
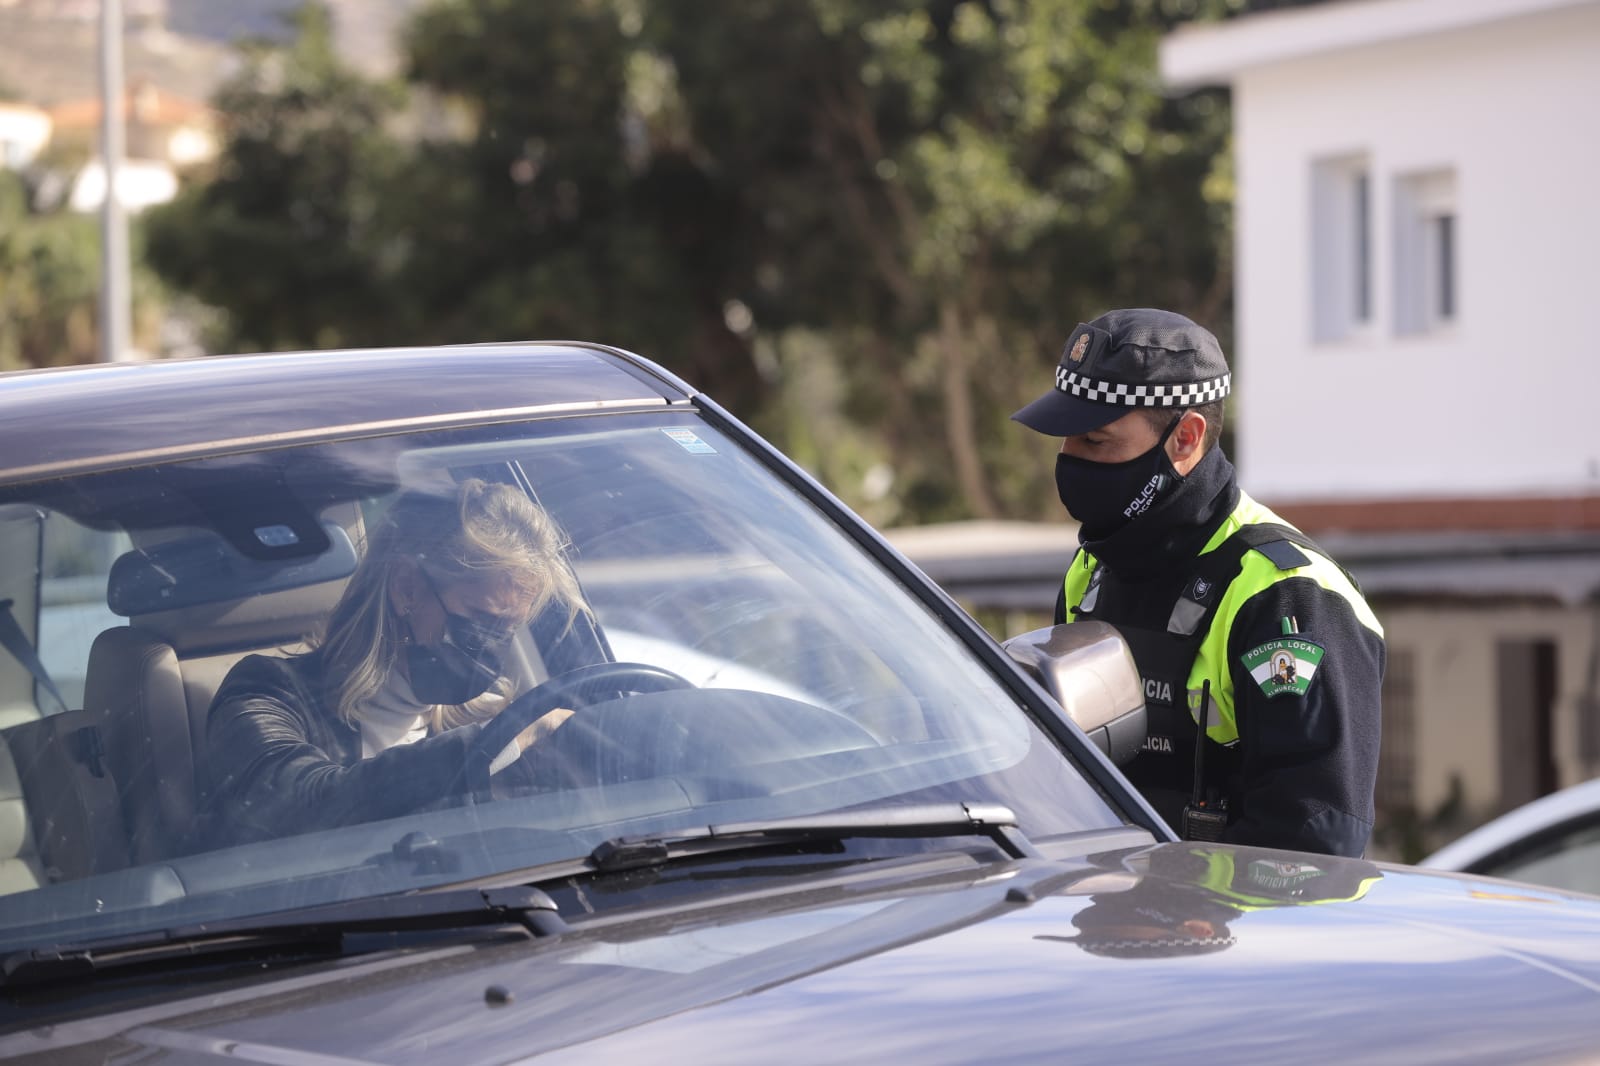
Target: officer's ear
1186,444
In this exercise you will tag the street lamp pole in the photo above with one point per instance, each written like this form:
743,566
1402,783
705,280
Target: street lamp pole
115,314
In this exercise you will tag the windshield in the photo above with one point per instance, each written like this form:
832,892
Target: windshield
246,684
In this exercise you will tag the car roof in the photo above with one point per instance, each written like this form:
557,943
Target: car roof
78,419
1516,824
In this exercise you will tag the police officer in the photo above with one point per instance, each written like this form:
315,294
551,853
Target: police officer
1244,631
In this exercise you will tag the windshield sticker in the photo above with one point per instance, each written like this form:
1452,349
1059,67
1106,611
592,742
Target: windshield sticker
690,441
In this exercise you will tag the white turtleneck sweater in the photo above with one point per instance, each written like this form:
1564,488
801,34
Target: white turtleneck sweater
391,716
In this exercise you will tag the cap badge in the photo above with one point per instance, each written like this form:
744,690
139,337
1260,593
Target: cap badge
1079,346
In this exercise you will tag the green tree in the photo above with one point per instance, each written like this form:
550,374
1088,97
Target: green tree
943,188
288,234
545,207
864,224
49,283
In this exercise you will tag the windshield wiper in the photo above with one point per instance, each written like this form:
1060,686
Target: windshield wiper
924,821
303,928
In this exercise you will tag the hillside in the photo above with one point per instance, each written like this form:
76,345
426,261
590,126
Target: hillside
49,51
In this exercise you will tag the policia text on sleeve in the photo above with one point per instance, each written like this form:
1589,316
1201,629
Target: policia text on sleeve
1238,622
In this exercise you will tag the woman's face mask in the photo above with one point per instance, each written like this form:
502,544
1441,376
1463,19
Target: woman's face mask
443,674
1104,497
463,664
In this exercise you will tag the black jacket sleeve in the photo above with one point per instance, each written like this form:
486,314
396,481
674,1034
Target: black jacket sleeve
1308,763
280,763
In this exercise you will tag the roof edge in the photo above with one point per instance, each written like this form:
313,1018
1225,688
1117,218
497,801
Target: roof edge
1214,53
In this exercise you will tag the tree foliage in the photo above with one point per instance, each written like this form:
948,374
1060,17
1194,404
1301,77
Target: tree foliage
944,189
49,279
288,234
865,224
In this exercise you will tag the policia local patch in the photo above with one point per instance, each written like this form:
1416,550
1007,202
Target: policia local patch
1283,667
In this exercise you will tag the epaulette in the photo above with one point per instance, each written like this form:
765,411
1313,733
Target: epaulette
1284,555
1279,543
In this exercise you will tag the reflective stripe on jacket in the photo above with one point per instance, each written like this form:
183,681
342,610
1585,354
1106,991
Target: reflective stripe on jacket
1256,573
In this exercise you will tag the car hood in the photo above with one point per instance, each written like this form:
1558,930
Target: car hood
1166,953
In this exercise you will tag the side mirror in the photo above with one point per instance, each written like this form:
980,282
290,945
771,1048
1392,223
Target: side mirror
1088,668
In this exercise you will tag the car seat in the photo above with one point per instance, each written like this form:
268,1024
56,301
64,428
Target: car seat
20,865
195,606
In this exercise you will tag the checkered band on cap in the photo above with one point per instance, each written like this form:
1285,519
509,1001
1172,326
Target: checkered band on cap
1192,394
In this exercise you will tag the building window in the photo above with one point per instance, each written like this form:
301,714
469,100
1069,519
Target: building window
1341,247
1443,253
1427,286
1361,236
1397,749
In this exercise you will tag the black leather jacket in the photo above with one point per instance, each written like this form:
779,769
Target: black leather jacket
280,762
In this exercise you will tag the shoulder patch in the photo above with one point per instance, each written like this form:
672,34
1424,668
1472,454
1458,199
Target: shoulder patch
1284,555
1283,667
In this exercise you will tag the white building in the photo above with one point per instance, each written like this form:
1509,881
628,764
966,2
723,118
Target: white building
141,183
1415,365
164,133
1416,235
24,133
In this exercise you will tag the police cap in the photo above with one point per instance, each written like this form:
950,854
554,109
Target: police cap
1135,357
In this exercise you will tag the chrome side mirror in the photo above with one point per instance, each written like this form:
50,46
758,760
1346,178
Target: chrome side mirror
1089,670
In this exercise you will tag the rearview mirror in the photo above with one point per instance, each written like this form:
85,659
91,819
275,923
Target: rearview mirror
1089,670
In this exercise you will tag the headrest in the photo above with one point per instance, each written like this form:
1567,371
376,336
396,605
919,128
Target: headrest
201,593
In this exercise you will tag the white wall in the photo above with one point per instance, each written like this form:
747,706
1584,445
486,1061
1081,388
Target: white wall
1502,402
141,183
24,133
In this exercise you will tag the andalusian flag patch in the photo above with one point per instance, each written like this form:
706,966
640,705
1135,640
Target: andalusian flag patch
1283,667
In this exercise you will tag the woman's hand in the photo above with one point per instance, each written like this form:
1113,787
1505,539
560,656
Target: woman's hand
542,727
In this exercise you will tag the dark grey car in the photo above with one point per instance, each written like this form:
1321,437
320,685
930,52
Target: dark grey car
853,828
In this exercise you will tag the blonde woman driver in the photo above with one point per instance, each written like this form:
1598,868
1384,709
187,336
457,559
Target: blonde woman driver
376,719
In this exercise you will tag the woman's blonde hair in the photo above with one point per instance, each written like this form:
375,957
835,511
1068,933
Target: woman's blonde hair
476,528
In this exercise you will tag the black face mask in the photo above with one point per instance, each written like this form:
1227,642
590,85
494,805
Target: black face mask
463,665
444,674
1104,497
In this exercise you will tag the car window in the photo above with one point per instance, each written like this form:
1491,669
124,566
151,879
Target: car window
76,562
52,586
1568,857
806,677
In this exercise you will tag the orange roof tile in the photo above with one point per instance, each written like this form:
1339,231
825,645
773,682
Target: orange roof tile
141,103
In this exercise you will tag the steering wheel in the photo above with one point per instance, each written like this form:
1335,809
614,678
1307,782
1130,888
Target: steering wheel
573,689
